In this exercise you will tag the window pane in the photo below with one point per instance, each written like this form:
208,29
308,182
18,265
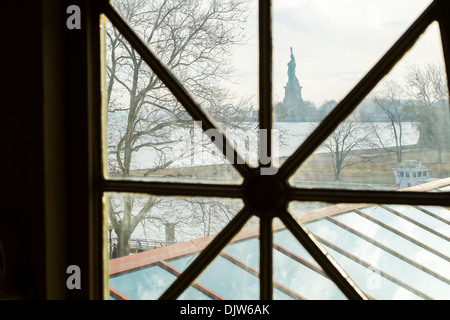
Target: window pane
247,250
297,270
229,280
408,227
399,130
149,135
381,259
233,275
440,212
422,218
387,255
397,241
152,240
149,283
371,282
334,44
211,48
144,222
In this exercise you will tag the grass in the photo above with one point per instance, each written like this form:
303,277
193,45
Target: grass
373,166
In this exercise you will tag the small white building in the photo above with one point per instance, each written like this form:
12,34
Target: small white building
411,173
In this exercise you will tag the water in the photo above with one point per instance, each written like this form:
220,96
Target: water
287,137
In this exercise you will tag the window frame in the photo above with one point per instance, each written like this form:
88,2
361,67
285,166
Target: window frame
438,11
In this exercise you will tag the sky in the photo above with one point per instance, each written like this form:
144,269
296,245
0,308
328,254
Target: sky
335,43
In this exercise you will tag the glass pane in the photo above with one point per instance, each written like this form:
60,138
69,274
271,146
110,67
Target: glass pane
295,269
144,222
150,136
152,240
247,251
229,280
407,227
149,283
397,241
398,137
370,280
388,256
322,49
440,212
233,275
420,217
211,48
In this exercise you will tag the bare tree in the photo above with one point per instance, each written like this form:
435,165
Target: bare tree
347,137
189,218
195,40
391,101
427,87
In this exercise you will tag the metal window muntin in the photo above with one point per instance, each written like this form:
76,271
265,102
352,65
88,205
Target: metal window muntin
435,12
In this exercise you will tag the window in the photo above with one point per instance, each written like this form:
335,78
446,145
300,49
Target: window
243,192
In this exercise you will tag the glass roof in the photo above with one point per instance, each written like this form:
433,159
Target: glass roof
389,251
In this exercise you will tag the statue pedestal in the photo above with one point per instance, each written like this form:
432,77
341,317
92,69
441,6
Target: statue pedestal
292,93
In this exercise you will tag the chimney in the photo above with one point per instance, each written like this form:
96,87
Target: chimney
170,233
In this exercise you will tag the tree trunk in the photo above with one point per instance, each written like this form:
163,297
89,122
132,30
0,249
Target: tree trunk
399,155
123,246
337,174
124,232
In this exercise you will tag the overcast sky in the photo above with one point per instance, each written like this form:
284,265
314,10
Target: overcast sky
335,42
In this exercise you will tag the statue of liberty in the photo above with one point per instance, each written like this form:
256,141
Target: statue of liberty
294,108
291,69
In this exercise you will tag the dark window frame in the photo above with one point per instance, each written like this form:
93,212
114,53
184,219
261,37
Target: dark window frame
438,11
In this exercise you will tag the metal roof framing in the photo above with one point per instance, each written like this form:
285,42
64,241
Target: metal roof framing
438,10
